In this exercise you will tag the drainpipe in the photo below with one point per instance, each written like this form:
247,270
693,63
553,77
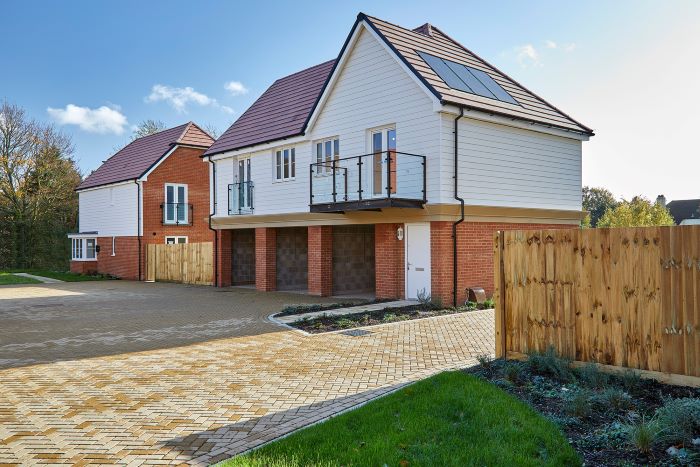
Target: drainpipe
216,234
461,210
138,221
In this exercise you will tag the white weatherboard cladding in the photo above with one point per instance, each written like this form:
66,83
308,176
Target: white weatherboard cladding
110,210
506,166
373,90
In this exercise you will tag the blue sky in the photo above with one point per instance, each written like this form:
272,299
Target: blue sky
627,69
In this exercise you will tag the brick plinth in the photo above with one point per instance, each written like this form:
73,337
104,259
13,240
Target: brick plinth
83,267
389,262
320,260
265,261
475,255
223,258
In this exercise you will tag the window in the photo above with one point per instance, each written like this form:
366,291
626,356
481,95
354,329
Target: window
326,152
173,240
175,208
83,249
285,164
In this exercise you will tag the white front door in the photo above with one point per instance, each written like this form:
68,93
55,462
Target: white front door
417,241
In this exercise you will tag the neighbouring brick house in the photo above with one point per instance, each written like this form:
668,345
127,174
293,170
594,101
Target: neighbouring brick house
364,174
154,190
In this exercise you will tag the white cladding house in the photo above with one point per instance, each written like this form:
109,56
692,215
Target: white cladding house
364,174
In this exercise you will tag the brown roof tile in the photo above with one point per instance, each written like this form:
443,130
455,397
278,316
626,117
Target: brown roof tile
280,112
137,157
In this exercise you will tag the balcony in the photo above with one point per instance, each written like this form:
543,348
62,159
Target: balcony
368,182
240,198
176,213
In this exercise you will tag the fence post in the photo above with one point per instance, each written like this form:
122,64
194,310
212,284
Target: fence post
499,295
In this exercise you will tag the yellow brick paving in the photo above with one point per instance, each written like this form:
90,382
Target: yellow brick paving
206,402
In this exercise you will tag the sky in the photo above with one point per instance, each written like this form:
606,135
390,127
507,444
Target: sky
627,69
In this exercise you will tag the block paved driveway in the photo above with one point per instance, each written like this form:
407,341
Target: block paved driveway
149,386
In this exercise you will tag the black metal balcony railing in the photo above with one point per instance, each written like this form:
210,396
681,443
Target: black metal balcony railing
370,181
176,213
240,198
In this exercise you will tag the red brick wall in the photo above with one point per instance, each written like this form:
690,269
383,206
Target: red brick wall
182,166
265,259
124,264
389,262
223,259
475,251
83,267
320,260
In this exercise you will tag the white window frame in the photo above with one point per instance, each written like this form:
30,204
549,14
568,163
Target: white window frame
176,200
79,249
114,246
291,173
324,156
175,239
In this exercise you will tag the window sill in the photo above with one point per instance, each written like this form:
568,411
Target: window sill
84,260
283,180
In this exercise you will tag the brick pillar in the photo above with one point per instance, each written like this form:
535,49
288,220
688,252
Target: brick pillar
265,272
223,258
441,261
320,256
389,262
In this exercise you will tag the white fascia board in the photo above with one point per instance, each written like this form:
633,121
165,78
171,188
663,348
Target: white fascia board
258,148
108,185
144,177
515,123
83,235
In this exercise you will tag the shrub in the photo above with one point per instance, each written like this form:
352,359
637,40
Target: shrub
591,377
631,381
485,361
642,433
579,403
513,372
344,323
679,419
549,364
615,398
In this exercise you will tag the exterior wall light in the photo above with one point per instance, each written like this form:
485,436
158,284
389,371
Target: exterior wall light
399,233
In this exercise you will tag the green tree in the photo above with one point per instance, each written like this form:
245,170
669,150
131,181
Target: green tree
640,212
596,201
38,204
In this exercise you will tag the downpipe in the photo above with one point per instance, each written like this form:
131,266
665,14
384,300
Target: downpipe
216,233
455,263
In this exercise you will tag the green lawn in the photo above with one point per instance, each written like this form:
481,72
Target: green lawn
61,275
449,419
6,279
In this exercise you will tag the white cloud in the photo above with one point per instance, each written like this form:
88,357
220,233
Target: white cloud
101,120
236,88
527,55
180,98
566,47
550,44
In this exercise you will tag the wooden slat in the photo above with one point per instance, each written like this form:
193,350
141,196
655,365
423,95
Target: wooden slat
188,263
620,297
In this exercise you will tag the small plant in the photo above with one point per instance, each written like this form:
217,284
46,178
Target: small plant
591,376
488,303
345,323
389,318
631,381
615,398
513,372
485,361
642,433
680,420
549,364
423,297
579,404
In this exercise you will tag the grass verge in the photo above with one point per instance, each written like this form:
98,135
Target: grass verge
449,419
8,279
65,276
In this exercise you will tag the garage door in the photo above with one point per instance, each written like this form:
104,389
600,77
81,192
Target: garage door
291,257
243,257
353,259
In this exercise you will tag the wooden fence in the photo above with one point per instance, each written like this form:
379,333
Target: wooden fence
189,263
626,297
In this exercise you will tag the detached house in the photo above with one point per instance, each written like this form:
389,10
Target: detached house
388,170
154,190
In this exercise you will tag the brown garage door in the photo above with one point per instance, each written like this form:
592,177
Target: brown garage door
292,247
353,259
243,257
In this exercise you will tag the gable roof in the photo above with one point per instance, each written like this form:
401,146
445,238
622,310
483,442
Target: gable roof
682,209
137,157
280,112
406,43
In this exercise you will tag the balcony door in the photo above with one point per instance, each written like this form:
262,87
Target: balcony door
175,203
383,143
245,185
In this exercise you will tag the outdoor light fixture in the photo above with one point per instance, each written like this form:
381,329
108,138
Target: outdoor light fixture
399,233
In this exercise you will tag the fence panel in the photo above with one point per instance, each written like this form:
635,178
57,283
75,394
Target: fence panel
626,297
189,263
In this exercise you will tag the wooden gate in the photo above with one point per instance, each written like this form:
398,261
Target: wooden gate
625,297
189,263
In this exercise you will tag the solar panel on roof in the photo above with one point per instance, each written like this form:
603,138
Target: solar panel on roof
467,79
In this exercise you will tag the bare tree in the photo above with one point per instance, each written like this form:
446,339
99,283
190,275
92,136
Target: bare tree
147,127
213,130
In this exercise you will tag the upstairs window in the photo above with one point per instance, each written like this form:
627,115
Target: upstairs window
175,206
285,164
83,249
326,152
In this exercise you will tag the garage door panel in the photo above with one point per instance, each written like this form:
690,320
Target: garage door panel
353,259
291,258
243,257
